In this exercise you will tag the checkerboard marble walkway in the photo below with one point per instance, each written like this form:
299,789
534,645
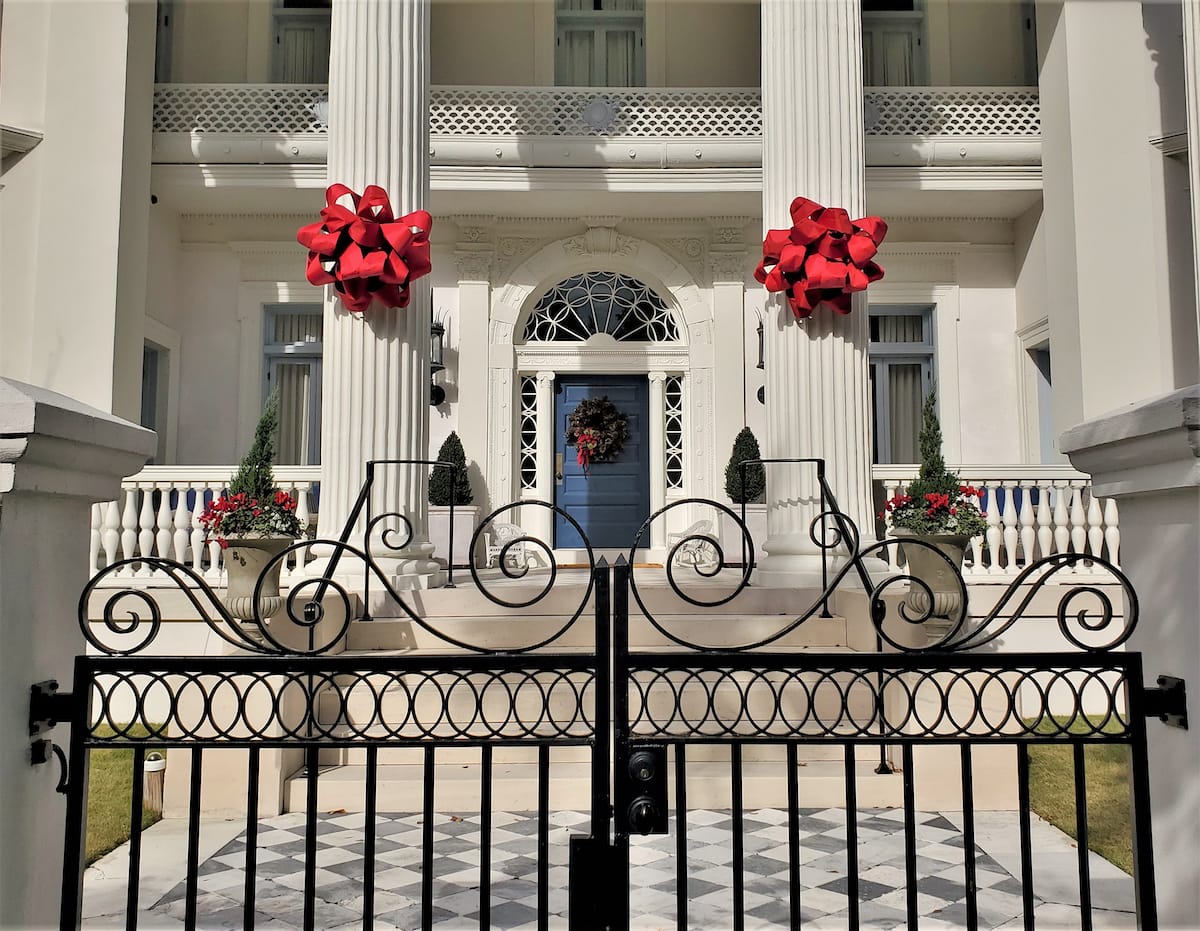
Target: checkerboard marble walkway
881,870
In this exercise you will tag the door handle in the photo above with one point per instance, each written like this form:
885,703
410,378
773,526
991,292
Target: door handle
558,475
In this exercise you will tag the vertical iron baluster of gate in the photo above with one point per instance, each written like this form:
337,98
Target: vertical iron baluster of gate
71,913
619,859
1143,841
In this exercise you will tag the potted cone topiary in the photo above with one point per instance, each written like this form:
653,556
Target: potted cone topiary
253,521
447,485
939,510
744,486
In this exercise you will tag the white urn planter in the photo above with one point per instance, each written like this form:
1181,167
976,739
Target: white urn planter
245,557
466,518
943,578
731,533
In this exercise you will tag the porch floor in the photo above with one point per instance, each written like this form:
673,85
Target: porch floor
882,886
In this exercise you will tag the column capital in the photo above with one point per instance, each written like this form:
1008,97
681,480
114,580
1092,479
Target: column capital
657,378
473,264
546,377
728,265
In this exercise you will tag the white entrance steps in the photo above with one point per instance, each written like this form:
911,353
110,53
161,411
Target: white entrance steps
400,787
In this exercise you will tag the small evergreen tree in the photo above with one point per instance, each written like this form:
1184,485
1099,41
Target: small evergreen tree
444,483
254,477
936,502
745,446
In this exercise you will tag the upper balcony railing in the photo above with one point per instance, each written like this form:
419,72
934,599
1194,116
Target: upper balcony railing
228,122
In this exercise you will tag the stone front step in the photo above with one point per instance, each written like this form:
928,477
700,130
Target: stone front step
400,787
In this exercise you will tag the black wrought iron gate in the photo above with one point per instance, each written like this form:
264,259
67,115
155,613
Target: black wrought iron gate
637,720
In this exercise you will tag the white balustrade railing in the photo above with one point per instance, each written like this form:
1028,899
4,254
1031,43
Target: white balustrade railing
638,112
158,514
1032,511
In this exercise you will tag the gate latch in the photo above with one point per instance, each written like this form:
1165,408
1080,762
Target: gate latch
642,804
1168,702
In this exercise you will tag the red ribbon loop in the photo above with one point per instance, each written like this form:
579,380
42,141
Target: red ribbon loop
823,259
363,251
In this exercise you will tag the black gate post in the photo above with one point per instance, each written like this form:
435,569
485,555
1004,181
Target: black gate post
619,861
71,909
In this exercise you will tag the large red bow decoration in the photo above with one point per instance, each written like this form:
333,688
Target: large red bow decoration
364,252
824,258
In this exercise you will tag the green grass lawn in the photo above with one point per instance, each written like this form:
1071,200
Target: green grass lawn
1052,795
110,782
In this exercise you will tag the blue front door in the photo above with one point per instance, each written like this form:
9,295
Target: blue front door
613,501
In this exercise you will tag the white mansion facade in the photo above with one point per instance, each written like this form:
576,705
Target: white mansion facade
600,175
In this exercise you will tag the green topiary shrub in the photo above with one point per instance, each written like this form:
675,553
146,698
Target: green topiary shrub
444,483
745,447
936,502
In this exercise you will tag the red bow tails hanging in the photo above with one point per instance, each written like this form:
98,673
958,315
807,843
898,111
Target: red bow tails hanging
364,252
585,446
823,259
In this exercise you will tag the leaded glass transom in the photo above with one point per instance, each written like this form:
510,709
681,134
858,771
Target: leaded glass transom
600,302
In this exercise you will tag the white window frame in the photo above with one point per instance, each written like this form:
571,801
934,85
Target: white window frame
883,355
600,22
301,352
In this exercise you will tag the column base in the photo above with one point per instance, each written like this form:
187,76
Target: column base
405,569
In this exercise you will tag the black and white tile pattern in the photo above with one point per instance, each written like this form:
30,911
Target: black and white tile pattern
456,843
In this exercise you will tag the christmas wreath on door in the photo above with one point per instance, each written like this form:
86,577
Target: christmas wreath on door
597,430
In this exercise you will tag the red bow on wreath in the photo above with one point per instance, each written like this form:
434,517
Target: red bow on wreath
585,445
364,252
824,258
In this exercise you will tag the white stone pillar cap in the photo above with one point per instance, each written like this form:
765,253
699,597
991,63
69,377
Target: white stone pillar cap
54,444
1150,446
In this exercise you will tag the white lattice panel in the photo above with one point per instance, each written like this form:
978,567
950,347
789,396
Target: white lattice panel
953,111
637,112
537,111
238,108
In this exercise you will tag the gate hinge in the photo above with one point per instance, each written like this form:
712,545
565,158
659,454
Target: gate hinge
1168,702
48,706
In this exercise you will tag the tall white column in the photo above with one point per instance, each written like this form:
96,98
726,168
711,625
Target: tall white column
658,455
816,373
1191,70
376,365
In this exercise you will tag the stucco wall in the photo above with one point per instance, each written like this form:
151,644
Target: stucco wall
487,42
985,43
711,44
209,41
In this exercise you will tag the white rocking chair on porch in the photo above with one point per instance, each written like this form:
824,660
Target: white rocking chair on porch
495,541
700,551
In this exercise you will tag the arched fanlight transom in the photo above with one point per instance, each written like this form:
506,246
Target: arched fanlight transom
600,302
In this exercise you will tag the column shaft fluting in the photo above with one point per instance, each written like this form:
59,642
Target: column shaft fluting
816,372
376,365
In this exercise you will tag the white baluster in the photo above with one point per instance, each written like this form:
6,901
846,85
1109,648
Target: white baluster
215,567
893,552
975,565
110,537
993,530
197,528
1045,529
1095,534
1112,531
166,521
1026,517
304,516
146,523
1009,516
129,523
1062,532
1078,521
94,539
183,523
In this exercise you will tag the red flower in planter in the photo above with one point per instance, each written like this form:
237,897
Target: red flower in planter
823,259
364,252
